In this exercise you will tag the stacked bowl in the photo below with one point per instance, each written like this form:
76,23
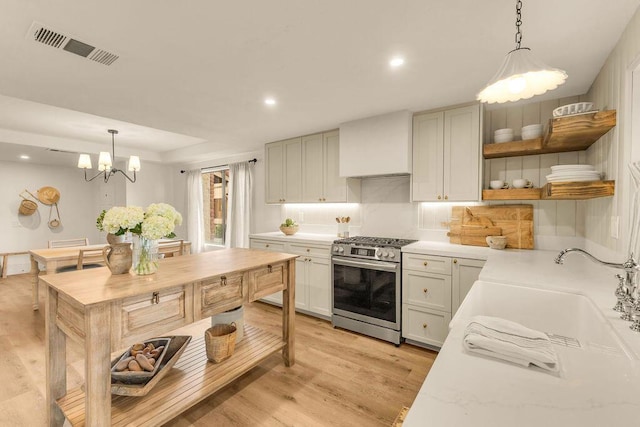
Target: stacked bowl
531,131
503,135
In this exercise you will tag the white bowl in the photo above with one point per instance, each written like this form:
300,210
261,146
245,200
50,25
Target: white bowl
497,184
536,127
577,108
503,131
531,135
503,138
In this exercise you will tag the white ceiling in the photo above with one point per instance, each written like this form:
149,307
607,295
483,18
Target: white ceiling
191,78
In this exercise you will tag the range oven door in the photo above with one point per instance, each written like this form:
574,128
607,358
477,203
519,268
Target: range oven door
368,291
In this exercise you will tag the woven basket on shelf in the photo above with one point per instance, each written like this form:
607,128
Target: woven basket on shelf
220,342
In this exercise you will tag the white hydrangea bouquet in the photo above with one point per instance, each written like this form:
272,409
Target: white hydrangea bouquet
157,221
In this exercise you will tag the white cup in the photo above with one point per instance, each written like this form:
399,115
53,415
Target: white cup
498,184
522,183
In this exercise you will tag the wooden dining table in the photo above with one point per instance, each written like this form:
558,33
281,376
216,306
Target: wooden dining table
52,259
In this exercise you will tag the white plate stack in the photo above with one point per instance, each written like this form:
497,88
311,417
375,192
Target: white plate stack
503,135
566,173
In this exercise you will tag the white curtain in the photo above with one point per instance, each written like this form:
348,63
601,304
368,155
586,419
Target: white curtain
239,205
195,211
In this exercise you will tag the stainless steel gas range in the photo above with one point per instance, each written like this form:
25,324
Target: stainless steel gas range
366,286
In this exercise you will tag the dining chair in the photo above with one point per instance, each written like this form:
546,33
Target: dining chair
90,258
171,248
81,241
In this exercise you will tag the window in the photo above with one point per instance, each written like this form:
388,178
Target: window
215,186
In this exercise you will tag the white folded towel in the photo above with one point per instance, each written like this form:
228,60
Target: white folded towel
510,341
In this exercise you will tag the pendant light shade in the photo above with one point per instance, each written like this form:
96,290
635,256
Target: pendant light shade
521,76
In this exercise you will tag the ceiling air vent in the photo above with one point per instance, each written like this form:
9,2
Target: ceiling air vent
41,34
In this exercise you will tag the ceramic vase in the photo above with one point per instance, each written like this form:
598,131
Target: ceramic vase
145,255
118,257
112,239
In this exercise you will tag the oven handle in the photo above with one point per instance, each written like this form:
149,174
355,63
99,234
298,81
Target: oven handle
384,266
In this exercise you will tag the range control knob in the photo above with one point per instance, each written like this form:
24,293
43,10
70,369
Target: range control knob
384,254
335,249
378,252
340,249
392,255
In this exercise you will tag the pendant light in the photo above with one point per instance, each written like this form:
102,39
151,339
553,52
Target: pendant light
105,164
521,76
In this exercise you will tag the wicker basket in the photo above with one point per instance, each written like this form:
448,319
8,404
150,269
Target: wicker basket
27,207
220,341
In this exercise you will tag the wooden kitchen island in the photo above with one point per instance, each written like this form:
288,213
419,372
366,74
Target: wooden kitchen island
108,312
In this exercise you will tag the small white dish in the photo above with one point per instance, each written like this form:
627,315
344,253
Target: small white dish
503,131
531,135
536,127
558,168
503,138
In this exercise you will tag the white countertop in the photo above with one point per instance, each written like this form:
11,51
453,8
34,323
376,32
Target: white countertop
448,249
467,390
310,238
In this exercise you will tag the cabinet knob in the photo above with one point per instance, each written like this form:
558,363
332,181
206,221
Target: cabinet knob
455,261
425,290
439,197
266,246
446,197
320,199
155,298
425,263
308,250
324,200
223,280
270,268
424,325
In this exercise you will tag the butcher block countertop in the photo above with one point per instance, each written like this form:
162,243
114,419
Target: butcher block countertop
98,285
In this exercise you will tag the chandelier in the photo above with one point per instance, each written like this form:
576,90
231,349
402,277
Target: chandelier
521,76
105,165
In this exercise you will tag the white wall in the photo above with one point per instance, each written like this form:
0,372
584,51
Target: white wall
612,153
79,207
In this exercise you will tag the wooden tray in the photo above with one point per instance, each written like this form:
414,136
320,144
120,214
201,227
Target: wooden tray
177,345
140,377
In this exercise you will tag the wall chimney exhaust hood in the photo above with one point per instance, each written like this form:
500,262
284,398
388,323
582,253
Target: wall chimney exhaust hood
375,146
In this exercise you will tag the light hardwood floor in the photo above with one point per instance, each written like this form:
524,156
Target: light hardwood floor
339,379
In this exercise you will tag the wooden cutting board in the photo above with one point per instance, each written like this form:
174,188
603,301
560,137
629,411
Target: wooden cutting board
471,224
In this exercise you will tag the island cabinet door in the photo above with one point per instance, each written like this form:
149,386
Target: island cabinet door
267,280
218,294
155,313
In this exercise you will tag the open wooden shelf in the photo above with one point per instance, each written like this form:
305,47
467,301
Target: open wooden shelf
582,190
512,194
191,380
572,133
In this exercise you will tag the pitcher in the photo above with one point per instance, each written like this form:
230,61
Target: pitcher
118,257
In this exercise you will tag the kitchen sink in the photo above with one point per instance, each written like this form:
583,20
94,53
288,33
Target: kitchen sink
569,319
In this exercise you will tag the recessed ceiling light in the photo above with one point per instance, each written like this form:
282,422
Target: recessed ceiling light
270,101
24,157
396,62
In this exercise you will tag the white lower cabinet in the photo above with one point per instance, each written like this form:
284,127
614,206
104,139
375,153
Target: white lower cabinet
432,289
313,275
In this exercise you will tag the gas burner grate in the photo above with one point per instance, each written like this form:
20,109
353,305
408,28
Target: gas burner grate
375,241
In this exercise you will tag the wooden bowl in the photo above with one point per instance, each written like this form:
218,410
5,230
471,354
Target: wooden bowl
289,231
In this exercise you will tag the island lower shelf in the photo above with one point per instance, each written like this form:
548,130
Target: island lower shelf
191,380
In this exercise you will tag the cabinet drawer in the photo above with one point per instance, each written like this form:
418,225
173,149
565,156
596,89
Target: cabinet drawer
155,313
267,245
301,249
428,263
267,280
427,290
218,294
425,326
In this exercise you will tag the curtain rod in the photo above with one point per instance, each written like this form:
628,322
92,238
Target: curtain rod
254,160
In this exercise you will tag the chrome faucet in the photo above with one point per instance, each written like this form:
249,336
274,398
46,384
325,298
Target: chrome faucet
628,290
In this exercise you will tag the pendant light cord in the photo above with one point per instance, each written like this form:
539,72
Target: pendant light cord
518,23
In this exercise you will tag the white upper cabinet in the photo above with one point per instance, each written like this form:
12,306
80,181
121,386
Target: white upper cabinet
284,171
306,170
446,155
